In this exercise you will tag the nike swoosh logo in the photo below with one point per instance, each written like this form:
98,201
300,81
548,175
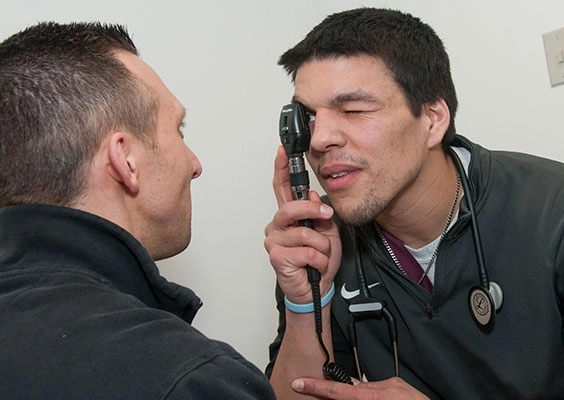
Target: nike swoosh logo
347,295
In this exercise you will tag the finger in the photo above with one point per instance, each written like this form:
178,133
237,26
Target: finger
281,180
393,388
325,388
290,213
313,196
287,253
297,236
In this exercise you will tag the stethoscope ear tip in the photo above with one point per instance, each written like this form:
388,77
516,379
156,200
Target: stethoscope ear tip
497,295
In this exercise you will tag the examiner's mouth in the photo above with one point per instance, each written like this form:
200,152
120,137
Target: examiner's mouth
337,175
338,180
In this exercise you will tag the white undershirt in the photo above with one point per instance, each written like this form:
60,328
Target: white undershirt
423,254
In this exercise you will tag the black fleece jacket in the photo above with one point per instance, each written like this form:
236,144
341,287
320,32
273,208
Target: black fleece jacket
85,315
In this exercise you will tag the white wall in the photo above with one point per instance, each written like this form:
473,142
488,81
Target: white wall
219,58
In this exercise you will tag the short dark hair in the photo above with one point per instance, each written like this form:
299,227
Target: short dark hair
410,49
62,90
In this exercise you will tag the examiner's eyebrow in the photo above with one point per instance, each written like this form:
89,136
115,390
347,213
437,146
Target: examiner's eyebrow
358,96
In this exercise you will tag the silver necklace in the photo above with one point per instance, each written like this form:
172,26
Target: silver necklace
445,230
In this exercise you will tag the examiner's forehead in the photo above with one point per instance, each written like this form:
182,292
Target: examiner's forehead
361,78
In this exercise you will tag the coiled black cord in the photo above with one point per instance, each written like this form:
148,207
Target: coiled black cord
330,369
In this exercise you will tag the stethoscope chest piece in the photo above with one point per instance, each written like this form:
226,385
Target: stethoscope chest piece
482,308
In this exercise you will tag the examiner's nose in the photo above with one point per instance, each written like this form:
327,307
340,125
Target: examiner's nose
325,131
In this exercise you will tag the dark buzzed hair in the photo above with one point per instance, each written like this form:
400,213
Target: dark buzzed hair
410,49
62,90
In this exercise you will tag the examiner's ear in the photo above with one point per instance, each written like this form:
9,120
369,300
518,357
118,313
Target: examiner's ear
122,161
438,115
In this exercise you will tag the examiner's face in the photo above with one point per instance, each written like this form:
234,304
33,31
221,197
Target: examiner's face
366,146
165,172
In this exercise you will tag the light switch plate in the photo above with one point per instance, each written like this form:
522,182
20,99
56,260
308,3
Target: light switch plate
554,49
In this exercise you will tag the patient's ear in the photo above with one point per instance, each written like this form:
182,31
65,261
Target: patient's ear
439,120
122,161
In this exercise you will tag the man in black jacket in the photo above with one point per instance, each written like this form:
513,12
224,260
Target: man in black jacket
407,302
94,187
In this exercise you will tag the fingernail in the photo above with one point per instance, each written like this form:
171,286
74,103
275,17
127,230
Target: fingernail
298,385
326,210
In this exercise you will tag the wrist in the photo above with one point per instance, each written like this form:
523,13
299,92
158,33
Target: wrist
308,307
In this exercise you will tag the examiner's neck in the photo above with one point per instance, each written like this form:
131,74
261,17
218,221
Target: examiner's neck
418,215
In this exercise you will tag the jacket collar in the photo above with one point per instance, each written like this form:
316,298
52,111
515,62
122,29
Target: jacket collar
34,235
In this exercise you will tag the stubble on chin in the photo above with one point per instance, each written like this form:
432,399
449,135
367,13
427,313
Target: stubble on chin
363,211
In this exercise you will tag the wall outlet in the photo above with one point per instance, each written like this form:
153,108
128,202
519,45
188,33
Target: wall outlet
554,49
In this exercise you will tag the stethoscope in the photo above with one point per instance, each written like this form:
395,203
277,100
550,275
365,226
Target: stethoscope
484,300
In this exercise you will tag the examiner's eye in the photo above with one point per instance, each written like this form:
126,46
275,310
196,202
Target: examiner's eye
310,120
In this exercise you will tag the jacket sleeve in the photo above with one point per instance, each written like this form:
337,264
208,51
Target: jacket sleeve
559,282
275,345
226,376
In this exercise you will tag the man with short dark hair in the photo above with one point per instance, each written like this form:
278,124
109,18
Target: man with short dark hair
446,259
94,187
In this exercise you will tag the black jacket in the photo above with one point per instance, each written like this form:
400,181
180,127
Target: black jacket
85,315
519,202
